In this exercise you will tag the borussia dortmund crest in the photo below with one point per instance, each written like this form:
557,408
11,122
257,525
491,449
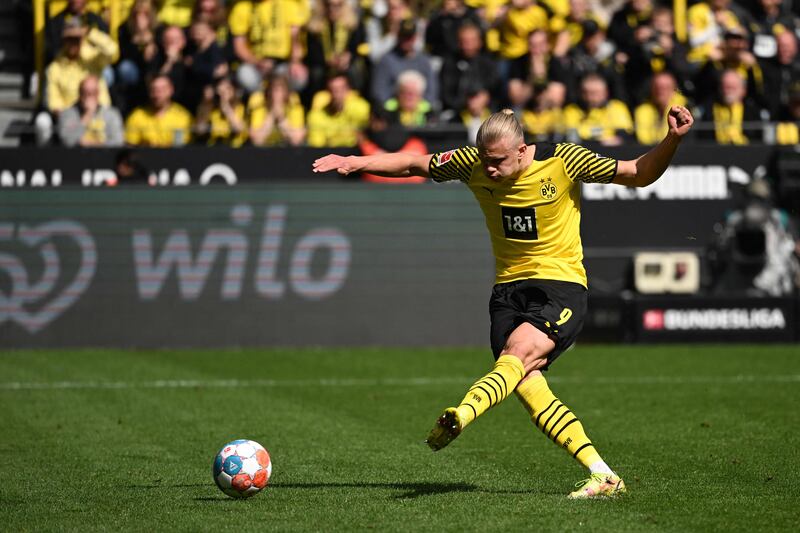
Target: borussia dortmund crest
548,189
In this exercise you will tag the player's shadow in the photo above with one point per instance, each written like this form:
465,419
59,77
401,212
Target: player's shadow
409,490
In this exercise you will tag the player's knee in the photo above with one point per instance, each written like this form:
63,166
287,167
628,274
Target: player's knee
527,350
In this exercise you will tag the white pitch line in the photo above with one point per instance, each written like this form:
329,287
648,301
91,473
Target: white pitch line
399,382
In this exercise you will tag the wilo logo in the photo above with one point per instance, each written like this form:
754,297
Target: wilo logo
35,303
154,267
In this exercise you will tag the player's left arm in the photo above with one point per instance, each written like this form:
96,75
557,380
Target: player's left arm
646,169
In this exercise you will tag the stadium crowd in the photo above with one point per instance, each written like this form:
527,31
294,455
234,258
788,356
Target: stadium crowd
335,73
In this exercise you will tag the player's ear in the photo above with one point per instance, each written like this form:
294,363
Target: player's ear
521,149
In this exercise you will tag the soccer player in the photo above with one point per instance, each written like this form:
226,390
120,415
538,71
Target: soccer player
530,196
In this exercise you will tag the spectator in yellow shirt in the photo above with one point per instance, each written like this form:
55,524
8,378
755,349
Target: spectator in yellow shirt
520,19
650,117
707,23
337,115
265,34
221,116
84,52
596,117
543,118
176,12
163,123
276,115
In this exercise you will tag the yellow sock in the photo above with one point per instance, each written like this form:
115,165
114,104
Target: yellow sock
556,421
491,389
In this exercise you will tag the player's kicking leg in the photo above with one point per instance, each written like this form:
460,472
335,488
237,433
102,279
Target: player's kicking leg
523,351
487,392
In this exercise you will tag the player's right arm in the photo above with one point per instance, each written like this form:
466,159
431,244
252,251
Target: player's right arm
392,165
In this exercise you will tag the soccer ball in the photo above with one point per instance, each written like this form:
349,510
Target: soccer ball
242,468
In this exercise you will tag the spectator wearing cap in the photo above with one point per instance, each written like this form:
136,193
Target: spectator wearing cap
276,115
54,29
707,23
781,72
266,33
162,123
382,31
88,123
441,35
472,67
733,54
596,117
403,57
650,117
335,41
409,106
595,54
337,115
85,51
221,116
736,118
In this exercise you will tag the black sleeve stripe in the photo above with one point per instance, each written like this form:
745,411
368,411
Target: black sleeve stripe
457,167
582,163
585,165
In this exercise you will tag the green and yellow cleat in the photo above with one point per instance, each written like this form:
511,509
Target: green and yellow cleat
598,486
448,427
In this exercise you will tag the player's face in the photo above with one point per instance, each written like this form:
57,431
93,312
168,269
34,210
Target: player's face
501,159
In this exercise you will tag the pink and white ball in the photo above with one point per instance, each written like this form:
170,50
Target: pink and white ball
242,468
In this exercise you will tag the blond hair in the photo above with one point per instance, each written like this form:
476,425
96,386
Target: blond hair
500,125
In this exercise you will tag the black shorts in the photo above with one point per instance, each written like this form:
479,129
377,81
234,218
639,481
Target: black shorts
555,307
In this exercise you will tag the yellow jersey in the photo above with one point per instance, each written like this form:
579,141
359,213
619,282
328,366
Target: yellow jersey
599,123
258,110
268,25
534,220
171,128
518,24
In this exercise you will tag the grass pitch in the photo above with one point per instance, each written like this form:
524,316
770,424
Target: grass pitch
705,436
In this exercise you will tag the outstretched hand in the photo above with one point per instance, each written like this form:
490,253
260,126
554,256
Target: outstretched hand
341,164
680,120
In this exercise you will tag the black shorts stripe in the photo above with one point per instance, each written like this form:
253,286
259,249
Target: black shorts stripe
574,455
